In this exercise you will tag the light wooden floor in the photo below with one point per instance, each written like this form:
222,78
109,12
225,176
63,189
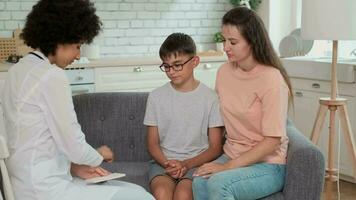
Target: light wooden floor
347,191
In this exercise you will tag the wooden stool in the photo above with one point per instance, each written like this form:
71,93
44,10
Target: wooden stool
339,104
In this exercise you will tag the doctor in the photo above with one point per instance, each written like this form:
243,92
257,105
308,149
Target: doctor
49,157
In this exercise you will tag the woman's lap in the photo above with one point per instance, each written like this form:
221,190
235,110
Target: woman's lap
251,182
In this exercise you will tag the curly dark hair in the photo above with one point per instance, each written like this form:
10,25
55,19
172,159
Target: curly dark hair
53,22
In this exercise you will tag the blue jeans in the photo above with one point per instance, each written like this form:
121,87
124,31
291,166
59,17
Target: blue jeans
252,182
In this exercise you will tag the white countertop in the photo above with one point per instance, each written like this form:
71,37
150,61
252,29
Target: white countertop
122,61
320,68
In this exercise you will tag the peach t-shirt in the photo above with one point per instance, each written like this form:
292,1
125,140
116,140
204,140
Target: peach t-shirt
254,105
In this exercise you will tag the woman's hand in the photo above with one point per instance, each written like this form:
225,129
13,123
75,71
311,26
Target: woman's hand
208,169
107,154
85,171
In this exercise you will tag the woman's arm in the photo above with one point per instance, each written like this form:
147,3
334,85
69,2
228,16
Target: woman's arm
255,155
62,121
107,153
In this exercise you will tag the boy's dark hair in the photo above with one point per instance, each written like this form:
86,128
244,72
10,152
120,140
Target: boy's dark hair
176,44
53,22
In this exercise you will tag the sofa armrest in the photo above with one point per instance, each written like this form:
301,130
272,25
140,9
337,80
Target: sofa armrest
305,167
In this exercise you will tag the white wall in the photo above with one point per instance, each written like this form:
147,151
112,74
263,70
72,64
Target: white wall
136,27
281,17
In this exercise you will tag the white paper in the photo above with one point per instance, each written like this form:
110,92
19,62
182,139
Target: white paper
105,178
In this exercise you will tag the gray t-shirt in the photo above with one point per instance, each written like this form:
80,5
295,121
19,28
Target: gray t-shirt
183,119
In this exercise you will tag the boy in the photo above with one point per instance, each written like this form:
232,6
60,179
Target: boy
183,122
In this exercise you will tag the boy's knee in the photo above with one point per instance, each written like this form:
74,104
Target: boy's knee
162,192
183,194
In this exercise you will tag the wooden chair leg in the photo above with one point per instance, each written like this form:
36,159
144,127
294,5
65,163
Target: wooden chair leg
331,172
349,140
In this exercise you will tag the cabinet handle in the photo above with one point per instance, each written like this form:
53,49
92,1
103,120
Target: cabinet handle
76,92
137,69
299,94
207,66
316,85
79,78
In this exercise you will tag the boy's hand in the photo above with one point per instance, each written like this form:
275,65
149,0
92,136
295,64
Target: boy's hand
107,154
175,168
85,171
180,173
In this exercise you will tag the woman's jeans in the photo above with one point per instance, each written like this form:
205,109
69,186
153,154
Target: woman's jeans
252,182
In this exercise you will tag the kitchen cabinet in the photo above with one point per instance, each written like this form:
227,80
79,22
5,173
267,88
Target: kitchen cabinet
128,78
306,103
81,80
206,73
145,78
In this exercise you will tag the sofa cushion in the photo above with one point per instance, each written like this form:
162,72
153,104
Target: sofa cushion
116,120
136,172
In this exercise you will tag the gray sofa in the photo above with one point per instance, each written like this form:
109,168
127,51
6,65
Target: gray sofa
116,119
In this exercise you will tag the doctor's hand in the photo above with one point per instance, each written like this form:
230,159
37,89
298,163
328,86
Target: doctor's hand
106,152
85,171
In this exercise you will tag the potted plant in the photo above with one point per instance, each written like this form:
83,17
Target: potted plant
218,39
252,4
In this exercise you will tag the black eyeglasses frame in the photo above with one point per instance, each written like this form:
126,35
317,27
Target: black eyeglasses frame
178,67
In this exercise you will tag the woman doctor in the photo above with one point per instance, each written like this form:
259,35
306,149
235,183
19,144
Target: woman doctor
49,157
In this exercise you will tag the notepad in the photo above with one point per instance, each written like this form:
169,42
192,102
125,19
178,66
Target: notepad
105,178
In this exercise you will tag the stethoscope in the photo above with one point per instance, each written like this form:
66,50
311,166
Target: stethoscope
35,54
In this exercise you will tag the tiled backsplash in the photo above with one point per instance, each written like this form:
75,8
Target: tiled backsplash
136,27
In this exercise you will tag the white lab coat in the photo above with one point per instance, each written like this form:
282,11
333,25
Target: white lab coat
44,136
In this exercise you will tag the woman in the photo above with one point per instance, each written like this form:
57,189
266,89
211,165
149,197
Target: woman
253,89
47,146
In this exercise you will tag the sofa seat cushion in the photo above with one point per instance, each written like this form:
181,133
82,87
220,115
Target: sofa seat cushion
275,196
136,172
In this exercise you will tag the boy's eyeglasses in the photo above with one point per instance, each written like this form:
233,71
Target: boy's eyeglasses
177,67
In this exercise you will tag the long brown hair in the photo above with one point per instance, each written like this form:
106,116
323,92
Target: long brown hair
253,30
